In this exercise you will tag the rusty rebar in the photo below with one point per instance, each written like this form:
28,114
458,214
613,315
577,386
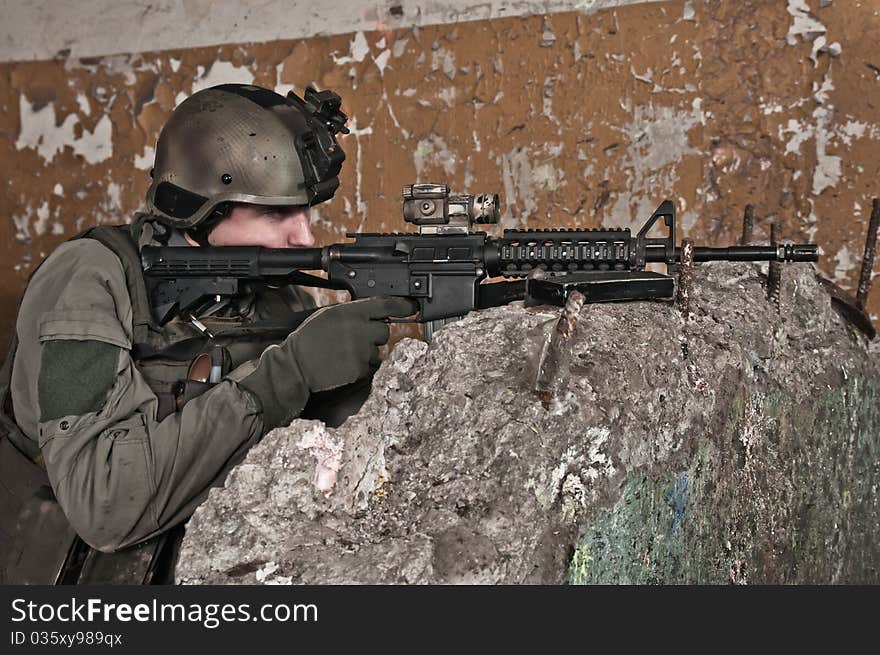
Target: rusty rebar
555,357
685,277
685,285
774,274
868,259
748,225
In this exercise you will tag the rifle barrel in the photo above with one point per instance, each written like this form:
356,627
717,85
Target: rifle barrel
789,252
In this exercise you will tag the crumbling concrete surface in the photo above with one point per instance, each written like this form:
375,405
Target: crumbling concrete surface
755,458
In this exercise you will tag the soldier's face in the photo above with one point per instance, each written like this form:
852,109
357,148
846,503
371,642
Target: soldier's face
261,225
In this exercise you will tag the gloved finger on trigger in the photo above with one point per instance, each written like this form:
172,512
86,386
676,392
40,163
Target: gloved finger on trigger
374,357
400,307
378,332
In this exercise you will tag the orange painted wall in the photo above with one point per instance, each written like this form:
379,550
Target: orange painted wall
576,119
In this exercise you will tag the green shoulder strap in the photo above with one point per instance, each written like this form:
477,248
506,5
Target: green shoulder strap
119,239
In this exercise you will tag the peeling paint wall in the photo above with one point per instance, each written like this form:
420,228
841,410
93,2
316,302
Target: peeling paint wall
43,29
591,115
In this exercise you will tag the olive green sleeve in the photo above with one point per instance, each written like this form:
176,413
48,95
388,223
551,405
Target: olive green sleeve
120,474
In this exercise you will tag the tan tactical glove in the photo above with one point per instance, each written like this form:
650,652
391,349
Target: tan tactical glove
335,346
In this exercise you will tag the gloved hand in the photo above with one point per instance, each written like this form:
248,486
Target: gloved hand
333,347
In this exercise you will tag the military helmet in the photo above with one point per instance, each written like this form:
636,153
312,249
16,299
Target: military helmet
243,143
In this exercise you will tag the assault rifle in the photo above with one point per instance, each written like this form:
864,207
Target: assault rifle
446,265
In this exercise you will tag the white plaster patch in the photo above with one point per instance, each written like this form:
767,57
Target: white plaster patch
516,175
114,195
83,103
846,262
858,130
40,132
697,106
688,219
21,222
221,72
441,58
283,89
803,24
433,152
357,132
548,38
399,47
58,190
145,161
358,48
447,95
821,91
96,146
646,77
382,60
853,129
800,133
827,172
821,45
689,13
631,210
42,218
825,133
391,114
547,99
657,140
547,176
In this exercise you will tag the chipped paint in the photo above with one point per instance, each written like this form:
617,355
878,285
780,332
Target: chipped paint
658,139
43,29
688,13
144,161
696,101
516,171
803,23
799,133
357,49
42,218
40,131
827,172
434,150
846,264
221,72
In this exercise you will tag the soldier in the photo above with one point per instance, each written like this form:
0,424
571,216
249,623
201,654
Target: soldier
131,421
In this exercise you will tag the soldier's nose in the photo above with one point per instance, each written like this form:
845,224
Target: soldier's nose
300,235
